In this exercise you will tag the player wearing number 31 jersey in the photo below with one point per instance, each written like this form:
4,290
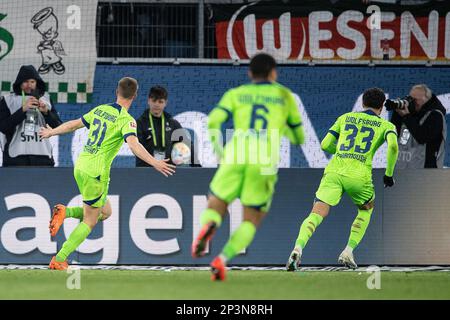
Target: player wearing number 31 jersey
353,139
110,125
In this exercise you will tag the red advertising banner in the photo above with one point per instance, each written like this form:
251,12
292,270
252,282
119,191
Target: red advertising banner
334,30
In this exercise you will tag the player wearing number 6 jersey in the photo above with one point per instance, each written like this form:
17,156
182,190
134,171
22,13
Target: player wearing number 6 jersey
262,112
353,139
109,126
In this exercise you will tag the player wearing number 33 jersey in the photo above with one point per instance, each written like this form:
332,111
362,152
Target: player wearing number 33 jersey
353,139
110,125
358,136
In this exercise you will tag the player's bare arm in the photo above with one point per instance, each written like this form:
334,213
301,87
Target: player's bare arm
139,151
69,126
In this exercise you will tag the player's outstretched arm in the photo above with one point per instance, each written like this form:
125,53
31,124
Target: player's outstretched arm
66,127
328,143
139,151
392,154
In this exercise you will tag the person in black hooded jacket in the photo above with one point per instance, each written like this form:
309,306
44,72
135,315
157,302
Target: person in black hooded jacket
23,148
423,133
158,131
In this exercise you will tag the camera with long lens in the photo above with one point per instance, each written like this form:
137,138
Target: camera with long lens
400,104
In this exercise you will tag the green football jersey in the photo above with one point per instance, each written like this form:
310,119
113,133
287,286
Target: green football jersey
109,125
260,112
359,135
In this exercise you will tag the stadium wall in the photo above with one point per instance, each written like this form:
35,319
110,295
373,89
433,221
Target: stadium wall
155,218
325,91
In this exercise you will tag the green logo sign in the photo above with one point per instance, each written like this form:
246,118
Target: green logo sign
5,37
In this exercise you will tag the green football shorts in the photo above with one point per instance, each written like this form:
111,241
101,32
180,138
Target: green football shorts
333,185
93,190
246,182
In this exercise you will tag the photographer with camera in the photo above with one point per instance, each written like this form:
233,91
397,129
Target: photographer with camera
421,128
22,114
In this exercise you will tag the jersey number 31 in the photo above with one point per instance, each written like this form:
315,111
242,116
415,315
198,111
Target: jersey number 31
97,137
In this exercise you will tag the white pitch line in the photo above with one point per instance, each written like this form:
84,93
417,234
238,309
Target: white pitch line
242,268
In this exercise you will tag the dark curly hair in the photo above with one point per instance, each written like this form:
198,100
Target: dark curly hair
374,98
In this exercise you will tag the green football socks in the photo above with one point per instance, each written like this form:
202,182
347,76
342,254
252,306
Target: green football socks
359,227
74,212
211,215
307,229
77,213
240,239
78,235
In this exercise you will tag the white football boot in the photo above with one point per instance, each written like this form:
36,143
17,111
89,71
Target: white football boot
346,258
294,259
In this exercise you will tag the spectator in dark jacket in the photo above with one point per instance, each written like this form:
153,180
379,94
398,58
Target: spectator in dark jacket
158,131
22,113
421,134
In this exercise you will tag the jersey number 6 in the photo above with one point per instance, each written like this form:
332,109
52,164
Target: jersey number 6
259,116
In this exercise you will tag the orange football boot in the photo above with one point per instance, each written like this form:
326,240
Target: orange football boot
218,269
55,265
199,244
58,216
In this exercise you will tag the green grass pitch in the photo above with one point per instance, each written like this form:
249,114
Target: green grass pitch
240,284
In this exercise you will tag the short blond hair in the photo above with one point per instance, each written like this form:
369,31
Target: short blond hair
127,87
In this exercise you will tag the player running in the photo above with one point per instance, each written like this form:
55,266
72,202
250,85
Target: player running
353,139
260,111
109,126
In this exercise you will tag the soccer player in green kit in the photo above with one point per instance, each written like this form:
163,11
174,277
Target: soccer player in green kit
109,126
262,111
353,139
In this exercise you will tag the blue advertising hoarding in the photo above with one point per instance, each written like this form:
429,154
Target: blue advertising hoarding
325,93
155,218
